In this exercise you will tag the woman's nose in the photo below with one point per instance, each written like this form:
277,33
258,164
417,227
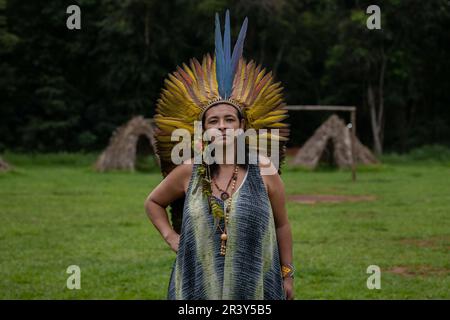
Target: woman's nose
222,125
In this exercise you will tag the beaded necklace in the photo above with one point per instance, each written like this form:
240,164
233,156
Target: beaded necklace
227,199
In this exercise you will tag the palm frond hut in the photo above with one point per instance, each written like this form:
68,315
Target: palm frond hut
331,143
4,166
136,136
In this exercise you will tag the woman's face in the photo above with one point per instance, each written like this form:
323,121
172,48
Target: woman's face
220,118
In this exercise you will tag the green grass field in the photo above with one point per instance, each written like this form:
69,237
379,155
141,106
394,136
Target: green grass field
56,211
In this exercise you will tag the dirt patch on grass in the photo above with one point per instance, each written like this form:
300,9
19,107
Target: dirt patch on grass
432,242
414,271
327,198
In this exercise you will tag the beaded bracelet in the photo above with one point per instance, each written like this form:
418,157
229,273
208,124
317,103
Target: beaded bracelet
288,270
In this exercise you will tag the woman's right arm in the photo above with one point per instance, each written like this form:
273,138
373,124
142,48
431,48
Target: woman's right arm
171,188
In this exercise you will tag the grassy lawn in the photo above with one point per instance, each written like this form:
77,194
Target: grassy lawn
56,211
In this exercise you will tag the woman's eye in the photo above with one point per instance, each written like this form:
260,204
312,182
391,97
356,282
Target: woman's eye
230,120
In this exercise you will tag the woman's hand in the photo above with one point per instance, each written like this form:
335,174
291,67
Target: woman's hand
173,187
288,284
173,240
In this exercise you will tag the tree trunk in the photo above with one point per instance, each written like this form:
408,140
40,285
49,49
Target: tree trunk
376,105
377,146
381,117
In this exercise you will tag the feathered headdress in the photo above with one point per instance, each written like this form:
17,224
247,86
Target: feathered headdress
226,78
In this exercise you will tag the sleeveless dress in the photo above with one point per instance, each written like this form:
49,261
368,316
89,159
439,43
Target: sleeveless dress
250,270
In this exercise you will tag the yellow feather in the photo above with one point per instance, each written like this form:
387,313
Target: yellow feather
250,83
189,72
237,90
268,121
213,79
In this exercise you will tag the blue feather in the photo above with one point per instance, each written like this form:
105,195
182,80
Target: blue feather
226,64
238,48
219,57
227,56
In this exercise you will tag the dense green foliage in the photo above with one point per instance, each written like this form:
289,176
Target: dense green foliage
67,90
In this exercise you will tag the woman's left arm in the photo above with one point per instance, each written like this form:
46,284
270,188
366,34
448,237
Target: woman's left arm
275,189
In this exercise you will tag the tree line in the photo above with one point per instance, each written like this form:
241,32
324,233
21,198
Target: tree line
67,90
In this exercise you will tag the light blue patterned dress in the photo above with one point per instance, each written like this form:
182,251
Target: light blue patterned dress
250,270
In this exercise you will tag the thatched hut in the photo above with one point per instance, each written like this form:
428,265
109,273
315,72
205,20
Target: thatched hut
136,136
4,166
332,143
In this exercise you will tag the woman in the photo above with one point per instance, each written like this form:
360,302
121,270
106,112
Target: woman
235,240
